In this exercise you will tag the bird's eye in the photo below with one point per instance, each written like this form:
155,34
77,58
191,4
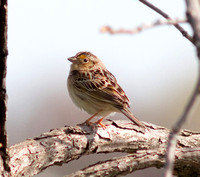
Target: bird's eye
85,60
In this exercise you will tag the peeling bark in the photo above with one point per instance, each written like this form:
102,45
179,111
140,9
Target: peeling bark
68,143
145,159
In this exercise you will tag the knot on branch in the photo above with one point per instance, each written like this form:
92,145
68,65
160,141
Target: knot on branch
3,94
3,53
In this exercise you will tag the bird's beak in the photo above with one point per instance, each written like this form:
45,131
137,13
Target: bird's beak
72,59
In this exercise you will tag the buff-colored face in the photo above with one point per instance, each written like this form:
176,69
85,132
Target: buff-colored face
84,60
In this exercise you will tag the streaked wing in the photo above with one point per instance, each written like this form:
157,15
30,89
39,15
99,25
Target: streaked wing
101,85
91,81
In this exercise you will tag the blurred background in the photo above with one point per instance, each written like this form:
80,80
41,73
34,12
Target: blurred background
157,68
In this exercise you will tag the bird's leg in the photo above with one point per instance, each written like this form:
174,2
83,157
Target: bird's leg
88,120
99,122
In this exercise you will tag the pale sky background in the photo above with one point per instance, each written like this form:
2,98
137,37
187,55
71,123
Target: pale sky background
157,68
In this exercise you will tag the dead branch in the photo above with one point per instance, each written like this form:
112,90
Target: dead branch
66,144
144,159
193,13
166,16
137,29
3,72
108,29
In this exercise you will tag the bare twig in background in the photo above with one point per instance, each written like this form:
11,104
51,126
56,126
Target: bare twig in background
136,30
193,14
108,29
184,33
3,71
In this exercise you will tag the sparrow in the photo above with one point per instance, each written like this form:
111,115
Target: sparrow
95,89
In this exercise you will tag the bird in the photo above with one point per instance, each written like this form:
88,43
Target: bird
95,90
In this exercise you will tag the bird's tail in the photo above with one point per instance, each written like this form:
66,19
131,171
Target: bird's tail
129,115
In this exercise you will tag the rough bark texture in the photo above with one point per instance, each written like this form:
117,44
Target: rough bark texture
185,166
147,148
3,70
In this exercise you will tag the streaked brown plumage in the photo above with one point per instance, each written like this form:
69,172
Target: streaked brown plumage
94,89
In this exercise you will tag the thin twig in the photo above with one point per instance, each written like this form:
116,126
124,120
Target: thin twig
184,33
176,129
193,13
108,29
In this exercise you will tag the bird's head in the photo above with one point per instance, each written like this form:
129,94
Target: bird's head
84,61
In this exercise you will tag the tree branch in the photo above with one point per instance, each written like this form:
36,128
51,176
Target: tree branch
145,159
165,15
3,71
177,127
108,29
69,143
193,13
136,30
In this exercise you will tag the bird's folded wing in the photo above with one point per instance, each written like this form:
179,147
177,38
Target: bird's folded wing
103,86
